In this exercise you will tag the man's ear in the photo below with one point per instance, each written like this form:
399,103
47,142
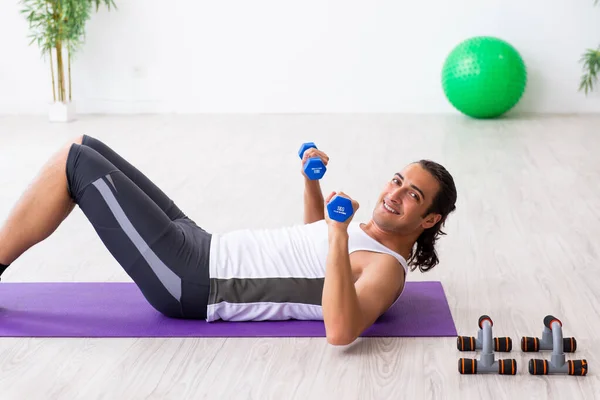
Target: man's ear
430,220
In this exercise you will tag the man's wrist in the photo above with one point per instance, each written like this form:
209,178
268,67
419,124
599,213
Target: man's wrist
310,183
338,232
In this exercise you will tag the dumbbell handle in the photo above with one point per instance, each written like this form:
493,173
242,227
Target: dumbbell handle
502,344
534,344
466,343
472,366
469,343
507,366
543,367
578,367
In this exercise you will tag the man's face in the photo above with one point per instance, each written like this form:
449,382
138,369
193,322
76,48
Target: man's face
404,200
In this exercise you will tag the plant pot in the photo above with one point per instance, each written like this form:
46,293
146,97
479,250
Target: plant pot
61,112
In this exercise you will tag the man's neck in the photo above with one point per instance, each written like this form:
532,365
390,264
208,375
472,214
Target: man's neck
401,244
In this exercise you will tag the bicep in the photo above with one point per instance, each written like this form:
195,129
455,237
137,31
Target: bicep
377,289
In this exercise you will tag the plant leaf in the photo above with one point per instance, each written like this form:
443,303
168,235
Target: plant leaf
591,67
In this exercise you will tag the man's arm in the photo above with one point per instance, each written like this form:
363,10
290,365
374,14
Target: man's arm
313,197
349,308
313,201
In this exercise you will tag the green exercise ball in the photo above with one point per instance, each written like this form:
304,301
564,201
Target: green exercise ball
484,77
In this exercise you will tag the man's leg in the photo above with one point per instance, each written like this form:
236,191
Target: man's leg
155,193
154,251
39,211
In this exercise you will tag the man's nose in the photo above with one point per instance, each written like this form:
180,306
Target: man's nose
396,196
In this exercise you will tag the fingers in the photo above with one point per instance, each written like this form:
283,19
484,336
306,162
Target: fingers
329,197
355,204
343,194
312,152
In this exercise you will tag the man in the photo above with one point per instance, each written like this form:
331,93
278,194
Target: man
346,274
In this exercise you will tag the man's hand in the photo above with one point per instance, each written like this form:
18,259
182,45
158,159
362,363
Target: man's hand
336,224
311,153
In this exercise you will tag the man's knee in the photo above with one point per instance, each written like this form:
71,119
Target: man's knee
78,139
84,165
66,149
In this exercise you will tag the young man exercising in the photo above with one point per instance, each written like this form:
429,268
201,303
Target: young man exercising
344,273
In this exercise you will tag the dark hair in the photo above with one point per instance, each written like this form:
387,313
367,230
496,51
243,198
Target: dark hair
424,256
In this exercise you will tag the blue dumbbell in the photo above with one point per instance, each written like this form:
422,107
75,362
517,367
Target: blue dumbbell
314,167
340,208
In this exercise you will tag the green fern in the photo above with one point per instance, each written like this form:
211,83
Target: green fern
591,67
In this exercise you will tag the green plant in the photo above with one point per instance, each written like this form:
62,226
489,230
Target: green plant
59,26
591,67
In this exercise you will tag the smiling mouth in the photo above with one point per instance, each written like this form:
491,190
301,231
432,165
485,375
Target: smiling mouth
390,209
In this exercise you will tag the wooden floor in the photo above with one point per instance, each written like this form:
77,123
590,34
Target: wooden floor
523,243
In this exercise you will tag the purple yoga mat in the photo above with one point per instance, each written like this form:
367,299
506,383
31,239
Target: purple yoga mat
119,310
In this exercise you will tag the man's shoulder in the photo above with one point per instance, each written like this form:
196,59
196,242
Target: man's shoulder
383,262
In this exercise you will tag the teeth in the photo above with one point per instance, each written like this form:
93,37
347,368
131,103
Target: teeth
389,209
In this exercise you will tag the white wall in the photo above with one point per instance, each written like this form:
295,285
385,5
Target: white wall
302,56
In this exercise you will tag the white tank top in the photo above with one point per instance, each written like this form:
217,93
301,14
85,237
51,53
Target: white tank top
276,274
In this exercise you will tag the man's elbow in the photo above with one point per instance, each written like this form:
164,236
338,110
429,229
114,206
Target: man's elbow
340,341
341,337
